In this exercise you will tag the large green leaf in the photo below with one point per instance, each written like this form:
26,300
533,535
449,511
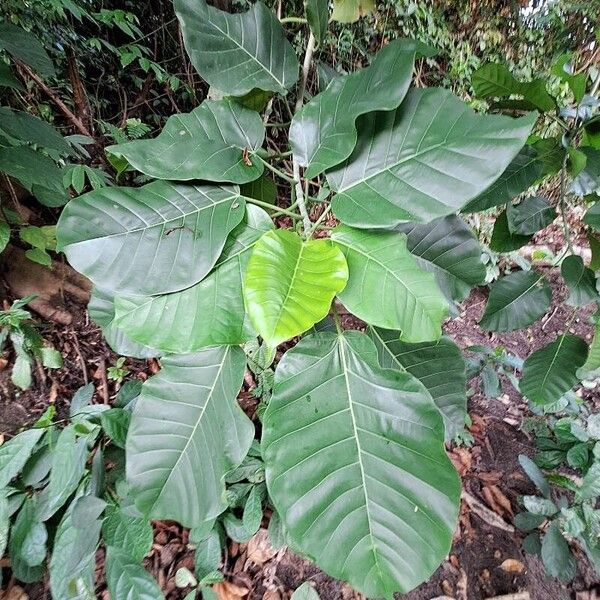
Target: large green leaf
16,452
516,301
551,371
522,172
591,367
439,366
580,280
323,132
556,555
132,534
25,522
424,160
448,248
236,53
355,465
162,237
592,216
101,309
502,238
530,216
290,284
7,79
214,142
386,287
588,181
209,313
187,431
317,15
31,130
24,46
127,579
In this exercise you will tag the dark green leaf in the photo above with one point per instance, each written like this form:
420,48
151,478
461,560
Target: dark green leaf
4,235
26,520
534,473
207,557
16,452
131,534
591,367
540,506
29,129
530,216
7,79
580,280
24,46
527,521
590,486
502,239
125,578
578,456
263,189
588,181
241,530
115,423
317,15
532,544
556,555
592,216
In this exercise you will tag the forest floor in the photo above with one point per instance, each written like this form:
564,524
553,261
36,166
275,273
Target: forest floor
486,560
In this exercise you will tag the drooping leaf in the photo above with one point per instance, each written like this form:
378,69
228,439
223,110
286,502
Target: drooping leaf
209,313
187,431
24,46
386,287
26,520
580,280
162,237
323,133
214,142
317,15
74,555
134,535
530,216
591,368
126,578
426,159
439,366
236,53
348,11
31,130
242,530
562,68
516,301
16,452
341,437
502,238
556,555
448,248
551,371
290,283
101,309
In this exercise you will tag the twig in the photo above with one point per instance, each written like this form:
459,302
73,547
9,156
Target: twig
80,357
483,512
515,596
103,381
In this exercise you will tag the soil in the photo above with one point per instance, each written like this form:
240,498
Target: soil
476,567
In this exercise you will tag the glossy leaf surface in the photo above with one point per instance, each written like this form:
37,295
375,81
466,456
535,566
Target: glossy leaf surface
439,366
516,301
290,283
236,53
162,237
209,313
356,467
386,287
186,432
207,143
424,160
323,133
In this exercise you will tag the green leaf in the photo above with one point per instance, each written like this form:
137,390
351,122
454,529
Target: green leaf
348,11
424,160
580,280
594,243
207,557
532,544
236,53
4,522
556,555
290,284
448,248
522,172
516,301
550,372
592,216
386,287
185,436
125,578
562,68
131,534
115,423
317,15
591,368
578,456
101,309
24,46
241,530
4,235
540,506
502,238
16,452
527,521
341,437
162,237
305,592
37,255
73,559
530,216
207,143
264,189
588,181
535,474
33,549
439,366
26,521
7,79
590,486
209,313
323,133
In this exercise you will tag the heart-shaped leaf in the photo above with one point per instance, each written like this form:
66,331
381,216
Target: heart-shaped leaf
209,313
186,432
424,160
290,284
214,142
162,237
386,287
356,467
236,53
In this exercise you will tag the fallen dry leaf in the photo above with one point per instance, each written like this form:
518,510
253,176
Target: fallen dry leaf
14,593
501,499
259,549
512,565
271,595
229,591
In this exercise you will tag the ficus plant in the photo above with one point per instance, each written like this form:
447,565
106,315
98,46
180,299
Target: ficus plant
202,263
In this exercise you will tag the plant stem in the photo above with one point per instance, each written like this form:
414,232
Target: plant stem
283,211
561,204
301,20
280,154
275,170
310,48
319,220
336,318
